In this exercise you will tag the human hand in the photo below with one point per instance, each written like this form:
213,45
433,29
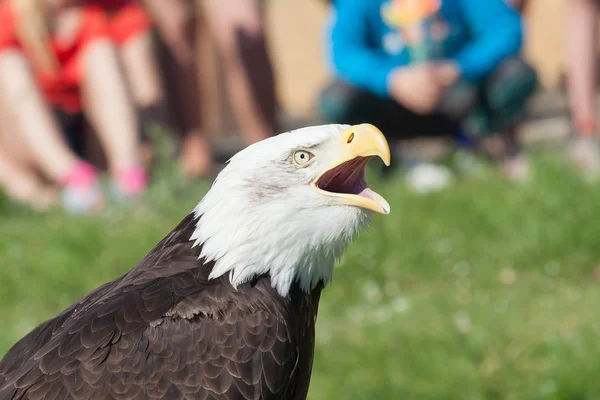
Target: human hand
416,87
447,73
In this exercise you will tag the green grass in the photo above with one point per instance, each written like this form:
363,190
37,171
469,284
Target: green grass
483,291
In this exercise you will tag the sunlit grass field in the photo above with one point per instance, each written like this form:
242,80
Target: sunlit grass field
483,291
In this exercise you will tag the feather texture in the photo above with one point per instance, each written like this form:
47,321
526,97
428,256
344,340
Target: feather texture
164,330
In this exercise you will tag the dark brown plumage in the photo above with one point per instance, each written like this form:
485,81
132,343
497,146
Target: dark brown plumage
163,330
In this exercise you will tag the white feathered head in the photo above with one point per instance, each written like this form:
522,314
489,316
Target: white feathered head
289,205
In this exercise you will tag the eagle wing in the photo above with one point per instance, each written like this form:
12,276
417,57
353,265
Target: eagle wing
159,334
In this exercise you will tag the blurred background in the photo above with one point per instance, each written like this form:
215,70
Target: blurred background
483,282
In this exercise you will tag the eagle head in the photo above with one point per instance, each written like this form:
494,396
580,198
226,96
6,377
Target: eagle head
288,206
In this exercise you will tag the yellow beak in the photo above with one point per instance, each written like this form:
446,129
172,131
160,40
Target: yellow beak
366,141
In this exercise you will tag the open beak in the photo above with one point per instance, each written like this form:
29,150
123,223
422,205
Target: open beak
345,178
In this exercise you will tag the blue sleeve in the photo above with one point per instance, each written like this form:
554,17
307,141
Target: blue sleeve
497,32
354,60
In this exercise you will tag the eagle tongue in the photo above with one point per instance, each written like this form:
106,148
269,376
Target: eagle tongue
337,180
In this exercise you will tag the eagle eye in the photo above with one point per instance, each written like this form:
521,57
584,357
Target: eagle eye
301,157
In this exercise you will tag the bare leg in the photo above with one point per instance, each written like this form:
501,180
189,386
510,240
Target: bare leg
31,139
177,29
581,71
142,72
108,106
18,178
581,62
237,27
176,26
144,81
23,103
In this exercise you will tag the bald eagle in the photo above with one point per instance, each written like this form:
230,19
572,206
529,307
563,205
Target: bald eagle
224,307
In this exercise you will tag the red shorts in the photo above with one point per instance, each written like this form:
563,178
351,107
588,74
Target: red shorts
126,19
61,87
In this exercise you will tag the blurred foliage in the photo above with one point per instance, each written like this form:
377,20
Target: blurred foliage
483,291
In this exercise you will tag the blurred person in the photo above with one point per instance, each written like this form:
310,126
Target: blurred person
177,28
581,44
130,26
23,185
432,67
57,64
237,27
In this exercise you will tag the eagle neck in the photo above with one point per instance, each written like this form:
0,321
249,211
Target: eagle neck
304,307
237,251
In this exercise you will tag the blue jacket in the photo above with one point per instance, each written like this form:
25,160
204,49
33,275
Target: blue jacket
369,39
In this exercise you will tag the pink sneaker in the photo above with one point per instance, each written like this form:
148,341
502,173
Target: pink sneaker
130,183
81,192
